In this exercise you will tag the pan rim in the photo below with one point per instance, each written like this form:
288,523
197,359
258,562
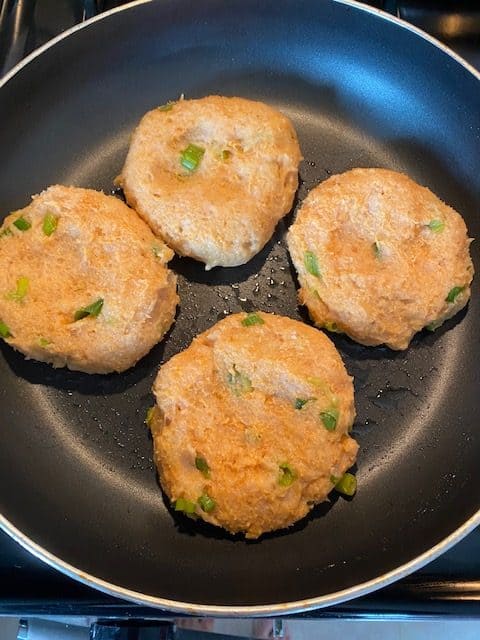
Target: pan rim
297,606
352,3
241,610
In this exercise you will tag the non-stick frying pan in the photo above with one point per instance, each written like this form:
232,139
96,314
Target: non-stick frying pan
77,483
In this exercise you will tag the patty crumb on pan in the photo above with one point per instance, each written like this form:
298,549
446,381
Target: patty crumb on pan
379,257
84,282
213,176
251,427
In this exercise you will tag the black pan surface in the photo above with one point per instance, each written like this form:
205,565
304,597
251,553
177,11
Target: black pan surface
77,481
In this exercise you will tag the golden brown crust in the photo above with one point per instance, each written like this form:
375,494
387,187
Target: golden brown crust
230,398
389,253
225,211
100,249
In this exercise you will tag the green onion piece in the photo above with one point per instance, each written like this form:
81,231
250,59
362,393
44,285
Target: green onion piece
331,326
168,106
252,319
226,154
21,291
50,223
436,225
92,310
202,465
311,263
149,416
239,383
157,252
453,293
433,326
334,480
324,387
377,249
43,342
22,287
191,157
287,475
347,485
329,419
206,503
22,224
186,506
4,330
301,402
6,232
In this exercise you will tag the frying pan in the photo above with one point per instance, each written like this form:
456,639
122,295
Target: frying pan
77,482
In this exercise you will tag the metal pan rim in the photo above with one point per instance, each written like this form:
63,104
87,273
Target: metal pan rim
241,611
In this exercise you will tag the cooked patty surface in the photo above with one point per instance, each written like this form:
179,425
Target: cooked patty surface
84,282
223,209
252,420
379,257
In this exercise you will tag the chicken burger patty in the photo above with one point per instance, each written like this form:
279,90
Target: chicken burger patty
213,176
84,282
251,426
379,257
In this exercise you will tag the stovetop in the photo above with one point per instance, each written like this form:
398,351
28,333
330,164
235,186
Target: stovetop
449,586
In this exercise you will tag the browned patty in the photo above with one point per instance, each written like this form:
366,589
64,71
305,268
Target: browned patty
225,210
74,249
379,257
252,423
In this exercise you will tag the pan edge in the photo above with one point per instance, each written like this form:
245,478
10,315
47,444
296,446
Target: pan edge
349,3
241,611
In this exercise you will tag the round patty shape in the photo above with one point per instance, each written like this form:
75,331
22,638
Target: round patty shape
251,425
84,282
213,176
379,257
